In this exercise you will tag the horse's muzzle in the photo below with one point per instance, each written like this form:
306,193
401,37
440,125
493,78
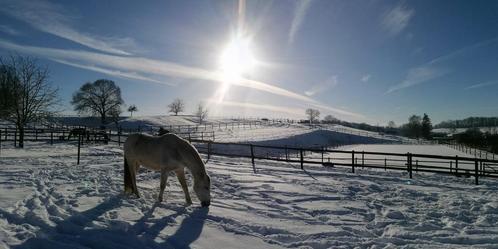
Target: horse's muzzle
205,203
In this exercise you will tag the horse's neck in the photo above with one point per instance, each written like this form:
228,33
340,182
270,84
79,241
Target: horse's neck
198,170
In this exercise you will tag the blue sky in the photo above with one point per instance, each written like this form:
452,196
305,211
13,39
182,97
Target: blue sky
368,61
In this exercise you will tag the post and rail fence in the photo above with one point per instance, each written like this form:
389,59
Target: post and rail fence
204,141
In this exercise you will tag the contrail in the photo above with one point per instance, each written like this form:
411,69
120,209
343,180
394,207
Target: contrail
130,64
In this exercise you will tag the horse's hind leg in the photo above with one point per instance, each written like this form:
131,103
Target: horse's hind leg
134,178
180,173
164,179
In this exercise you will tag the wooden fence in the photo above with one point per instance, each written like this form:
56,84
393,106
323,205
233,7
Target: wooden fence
411,163
204,142
476,152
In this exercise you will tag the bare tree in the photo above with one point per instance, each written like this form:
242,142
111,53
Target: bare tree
391,125
29,95
8,88
131,109
201,112
176,106
102,98
312,114
329,119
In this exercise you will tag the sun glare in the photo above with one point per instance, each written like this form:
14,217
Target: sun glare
237,59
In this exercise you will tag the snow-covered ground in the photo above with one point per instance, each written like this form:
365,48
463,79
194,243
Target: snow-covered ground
47,201
490,129
405,148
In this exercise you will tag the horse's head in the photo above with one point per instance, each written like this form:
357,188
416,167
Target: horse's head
202,188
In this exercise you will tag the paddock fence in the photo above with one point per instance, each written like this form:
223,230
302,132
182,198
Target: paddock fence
408,162
204,141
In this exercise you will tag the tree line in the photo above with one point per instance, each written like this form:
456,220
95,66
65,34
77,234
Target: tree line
27,96
474,137
470,122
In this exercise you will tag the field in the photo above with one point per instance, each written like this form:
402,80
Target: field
47,201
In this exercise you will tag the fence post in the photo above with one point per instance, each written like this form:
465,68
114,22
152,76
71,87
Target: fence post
362,158
119,137
209,150
385,164
322,154
456,165
0,142
301,154
482,168
451,166
410,164
286,154
51,137
15,137
252,159
477,172
79,146
352,160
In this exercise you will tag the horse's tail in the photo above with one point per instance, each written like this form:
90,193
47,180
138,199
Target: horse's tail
128,181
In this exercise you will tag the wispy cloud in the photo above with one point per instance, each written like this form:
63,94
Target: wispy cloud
300,10
9,30
128,65
417,76
462,51
52,19
338,111
366,78
117,73
397,19
433,68
483,84
322,86
267,107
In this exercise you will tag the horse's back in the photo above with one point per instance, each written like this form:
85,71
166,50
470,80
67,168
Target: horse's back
153,150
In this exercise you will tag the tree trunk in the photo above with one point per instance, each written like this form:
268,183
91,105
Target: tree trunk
21,136
102,119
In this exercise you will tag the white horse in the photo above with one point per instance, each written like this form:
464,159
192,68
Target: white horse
165,153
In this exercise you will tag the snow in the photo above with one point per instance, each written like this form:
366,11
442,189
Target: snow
47,201
405,148
490,129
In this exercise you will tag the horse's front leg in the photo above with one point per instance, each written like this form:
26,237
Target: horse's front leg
180,173
164,179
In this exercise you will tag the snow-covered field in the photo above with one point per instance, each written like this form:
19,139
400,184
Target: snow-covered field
490,129
47,201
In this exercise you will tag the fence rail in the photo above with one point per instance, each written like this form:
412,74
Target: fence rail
476,152
411,163
204,142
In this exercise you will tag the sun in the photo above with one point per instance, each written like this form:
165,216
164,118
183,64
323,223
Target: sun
237,59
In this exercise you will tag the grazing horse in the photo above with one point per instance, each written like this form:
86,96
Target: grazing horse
165,153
